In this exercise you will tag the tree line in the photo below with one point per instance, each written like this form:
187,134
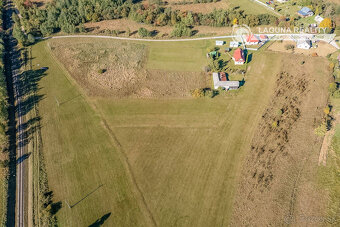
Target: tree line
3,89
69,16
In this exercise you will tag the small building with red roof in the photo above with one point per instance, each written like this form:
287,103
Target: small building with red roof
239,57
264,38
252,40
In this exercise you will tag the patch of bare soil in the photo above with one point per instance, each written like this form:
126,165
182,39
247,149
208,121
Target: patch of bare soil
116,69
277,185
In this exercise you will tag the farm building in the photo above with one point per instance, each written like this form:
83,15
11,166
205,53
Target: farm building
304,44
339,58
282,1
305,12
252,40
238,57
219,43
234,44
220,80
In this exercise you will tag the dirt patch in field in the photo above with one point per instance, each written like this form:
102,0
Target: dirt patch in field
116,69
322,50
277,185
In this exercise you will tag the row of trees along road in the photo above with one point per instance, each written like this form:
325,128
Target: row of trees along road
69,15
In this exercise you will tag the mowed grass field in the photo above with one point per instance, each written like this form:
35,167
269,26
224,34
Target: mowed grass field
178,56
82,165
183,156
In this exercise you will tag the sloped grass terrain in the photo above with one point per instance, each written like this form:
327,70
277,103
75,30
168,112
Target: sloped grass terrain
161,161
83,167
186,154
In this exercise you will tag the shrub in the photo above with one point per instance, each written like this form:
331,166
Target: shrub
336,94
4,163
327,110
101,71
30,39
197,93
275,124
289,47
143,32
181,30
332,87
279,112
321,130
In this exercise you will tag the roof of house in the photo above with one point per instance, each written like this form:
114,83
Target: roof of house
303,42
339,57
252,39
263,37
239,55
219,83
318,19
305,11
223,76
219,42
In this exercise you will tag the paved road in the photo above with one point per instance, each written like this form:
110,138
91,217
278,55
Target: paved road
136,39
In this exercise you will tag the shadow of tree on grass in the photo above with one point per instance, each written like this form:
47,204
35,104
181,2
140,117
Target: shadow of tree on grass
101,220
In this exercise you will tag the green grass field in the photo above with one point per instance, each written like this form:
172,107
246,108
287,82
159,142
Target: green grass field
178,56
80,155
184,154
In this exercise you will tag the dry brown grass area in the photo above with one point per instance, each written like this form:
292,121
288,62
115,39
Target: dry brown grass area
201,7
277,184
323,48
124,72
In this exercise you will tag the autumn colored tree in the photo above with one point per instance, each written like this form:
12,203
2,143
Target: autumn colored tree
235,21
326,23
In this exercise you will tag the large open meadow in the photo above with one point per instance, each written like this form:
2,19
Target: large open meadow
173,161
166,159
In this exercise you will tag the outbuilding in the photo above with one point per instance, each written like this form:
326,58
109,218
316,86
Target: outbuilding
234,44
219,43
220,81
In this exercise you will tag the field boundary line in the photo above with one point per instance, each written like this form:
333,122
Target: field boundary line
116,144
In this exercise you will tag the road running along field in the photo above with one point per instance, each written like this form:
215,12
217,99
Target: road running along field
184,153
